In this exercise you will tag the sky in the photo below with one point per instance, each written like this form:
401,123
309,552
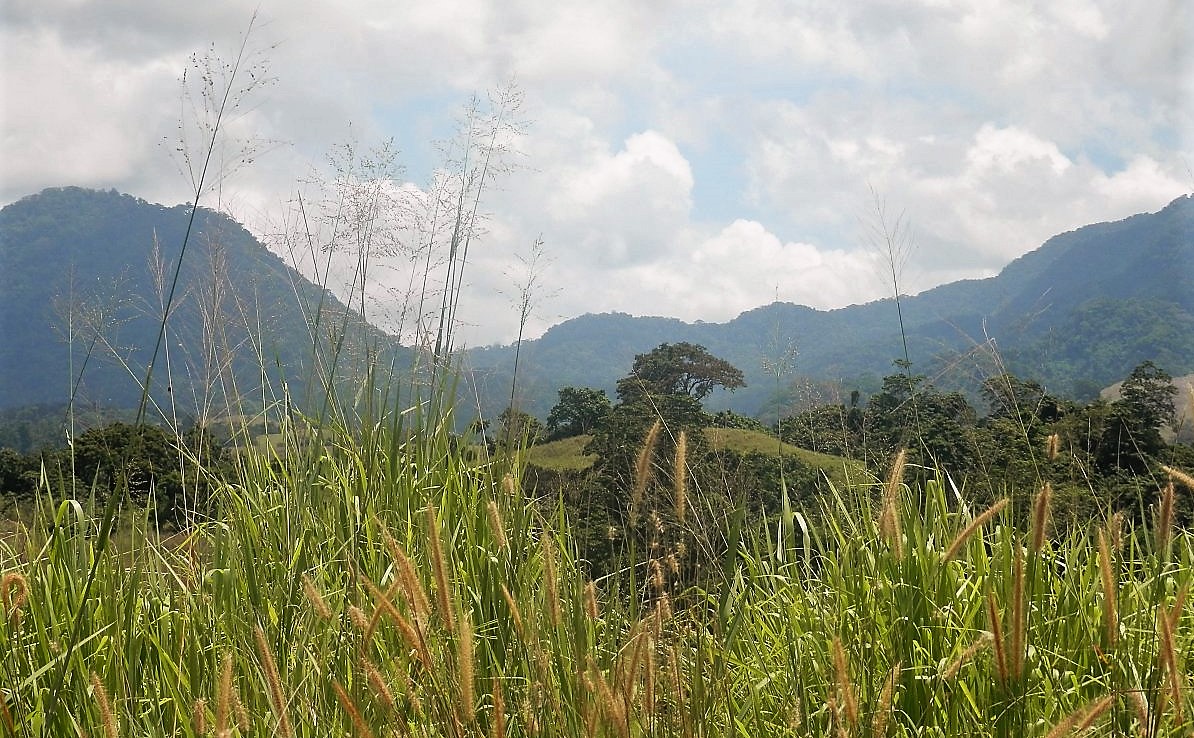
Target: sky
685,159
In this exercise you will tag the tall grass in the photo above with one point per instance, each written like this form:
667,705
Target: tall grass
390,585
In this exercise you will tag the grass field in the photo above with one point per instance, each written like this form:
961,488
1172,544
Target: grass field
377,587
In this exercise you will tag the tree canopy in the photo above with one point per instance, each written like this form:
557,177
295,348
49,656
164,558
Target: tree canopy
678,369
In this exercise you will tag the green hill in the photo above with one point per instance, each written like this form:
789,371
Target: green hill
83,276
568,454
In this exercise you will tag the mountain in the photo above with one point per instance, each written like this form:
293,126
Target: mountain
1076,314
83,275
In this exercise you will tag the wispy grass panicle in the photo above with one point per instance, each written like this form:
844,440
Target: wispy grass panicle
845,688
466,670
104,703
644,468
680,477
1110,592
1164,521
983,641
993,618
359,725
1179,476
1041,507
975,525
14,592
883,709
439,567
277,697
1082,718
890,526
497,526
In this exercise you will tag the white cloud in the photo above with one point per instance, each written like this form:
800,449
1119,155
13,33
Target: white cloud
684,158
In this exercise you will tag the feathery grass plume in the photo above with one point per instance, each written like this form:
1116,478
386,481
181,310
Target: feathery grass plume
354,714
224,698
1165,518
1082,718
1179,602
997,637
496,526
982,642
629,682
1140,707
680,477
886,701
378,683
514,612
1040,516
466,669
658,581
973,527
1168,659
889,520
497,726
14,592
107,719
612,707
550,585
439,566
199,716
416,596
1115,532
652,675
319,604
509,485
359,619
277,698
1177,475
644,468
1110,595
845,688
590,599
384,605
242,715
1016,665
1052,446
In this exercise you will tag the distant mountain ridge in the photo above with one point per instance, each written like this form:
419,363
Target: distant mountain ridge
83,276
1076,314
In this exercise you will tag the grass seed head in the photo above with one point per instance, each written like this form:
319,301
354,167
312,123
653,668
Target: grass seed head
644,468
107,718
1040,516
1110,593
496,525
439,566
845,687
680,477
315,598
354,713
973,528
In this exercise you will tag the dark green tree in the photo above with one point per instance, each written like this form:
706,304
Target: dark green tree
516,428
579,411
678,369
